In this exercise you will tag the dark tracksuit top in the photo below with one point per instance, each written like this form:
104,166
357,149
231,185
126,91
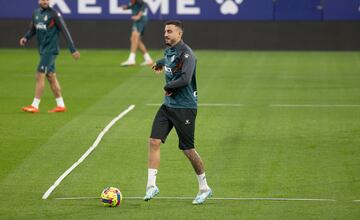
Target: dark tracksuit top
179,64
47,24
136,6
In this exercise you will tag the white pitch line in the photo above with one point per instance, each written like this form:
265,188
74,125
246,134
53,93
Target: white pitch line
190,198
356,200
313,106
82,158
206,105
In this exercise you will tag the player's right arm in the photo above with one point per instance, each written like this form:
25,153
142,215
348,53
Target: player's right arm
128,6
141,12
29,34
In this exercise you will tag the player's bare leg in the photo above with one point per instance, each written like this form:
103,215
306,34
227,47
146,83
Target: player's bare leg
134,44
54,84
154,153
56,89
153,164
148,61
40,85
39,90
204,190
134,40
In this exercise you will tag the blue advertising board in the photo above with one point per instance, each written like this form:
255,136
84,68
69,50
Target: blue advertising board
265,10
298,10
342,10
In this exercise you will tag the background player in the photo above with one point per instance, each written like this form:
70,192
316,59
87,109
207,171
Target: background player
140,20
46,24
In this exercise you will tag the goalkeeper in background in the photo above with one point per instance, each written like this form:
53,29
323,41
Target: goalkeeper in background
139,17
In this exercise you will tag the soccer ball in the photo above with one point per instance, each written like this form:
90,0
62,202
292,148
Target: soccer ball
111,197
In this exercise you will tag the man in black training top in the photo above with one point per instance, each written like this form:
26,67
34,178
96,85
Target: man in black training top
179,110
46,24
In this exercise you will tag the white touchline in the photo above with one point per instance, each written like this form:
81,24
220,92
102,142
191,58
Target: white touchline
82,158
190,198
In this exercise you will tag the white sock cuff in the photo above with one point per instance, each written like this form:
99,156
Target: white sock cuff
132,56
60,102
152,171
147,56
201,175
36,102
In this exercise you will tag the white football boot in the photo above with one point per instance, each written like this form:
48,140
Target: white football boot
202,196
151,192
147,63
128,63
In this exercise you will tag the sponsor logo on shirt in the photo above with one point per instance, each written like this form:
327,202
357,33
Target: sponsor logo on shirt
40,26
167,69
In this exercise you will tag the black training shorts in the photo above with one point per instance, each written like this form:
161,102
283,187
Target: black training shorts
183,119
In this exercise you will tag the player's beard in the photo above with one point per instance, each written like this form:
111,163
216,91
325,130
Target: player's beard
168,42
44,6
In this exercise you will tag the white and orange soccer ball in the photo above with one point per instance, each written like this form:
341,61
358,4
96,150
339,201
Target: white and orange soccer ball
111,197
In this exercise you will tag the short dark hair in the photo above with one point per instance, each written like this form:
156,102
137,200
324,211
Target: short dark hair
177,23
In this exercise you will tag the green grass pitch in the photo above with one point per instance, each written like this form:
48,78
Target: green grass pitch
296,134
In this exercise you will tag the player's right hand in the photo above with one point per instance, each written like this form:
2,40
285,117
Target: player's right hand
157,69
168,93
23,41
76,55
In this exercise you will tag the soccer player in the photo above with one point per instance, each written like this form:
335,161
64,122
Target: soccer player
46,24
140,20
179,109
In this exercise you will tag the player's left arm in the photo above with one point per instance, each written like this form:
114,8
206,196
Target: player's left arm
59,21
187,70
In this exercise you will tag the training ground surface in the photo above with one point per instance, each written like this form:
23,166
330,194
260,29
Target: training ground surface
291,130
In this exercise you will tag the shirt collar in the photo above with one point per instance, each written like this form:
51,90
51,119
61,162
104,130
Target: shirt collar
178,45
44,9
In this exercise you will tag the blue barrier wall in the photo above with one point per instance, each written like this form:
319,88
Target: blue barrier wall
247,10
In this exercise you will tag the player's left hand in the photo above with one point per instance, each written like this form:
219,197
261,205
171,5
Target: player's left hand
76,55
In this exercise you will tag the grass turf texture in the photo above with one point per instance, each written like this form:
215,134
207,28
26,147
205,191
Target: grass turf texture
256,150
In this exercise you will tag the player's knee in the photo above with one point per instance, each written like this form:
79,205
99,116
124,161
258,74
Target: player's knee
133,39
154,143
134,36
51,77
40,77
